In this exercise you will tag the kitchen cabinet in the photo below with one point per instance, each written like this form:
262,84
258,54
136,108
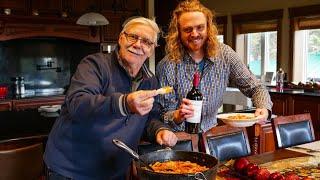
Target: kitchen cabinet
280,104
287,103
30,103
57,18
5,105
110,32
35,103
17,7
50,8
307,104
16,30
83,6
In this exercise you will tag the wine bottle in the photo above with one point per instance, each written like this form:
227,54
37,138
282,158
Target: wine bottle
192,124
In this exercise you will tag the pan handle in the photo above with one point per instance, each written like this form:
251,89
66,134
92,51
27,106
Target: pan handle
167,148
200,176
123,146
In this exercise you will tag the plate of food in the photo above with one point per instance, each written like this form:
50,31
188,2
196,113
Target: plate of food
240,119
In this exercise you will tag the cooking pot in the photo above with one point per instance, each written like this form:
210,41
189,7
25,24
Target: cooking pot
166,155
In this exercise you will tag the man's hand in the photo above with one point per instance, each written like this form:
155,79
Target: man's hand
141,102
166,137
185,111
264,112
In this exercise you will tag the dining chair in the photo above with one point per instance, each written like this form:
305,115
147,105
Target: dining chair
292,130
22,158
225,142
186,142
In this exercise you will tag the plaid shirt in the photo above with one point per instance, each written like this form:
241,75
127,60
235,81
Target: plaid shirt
216,75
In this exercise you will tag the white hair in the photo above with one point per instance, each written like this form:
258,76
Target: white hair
144,21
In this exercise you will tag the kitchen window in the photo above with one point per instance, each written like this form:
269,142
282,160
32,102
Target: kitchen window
256,40
261,52
305,33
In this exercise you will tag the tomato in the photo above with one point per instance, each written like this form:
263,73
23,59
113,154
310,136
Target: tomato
252,169
241,164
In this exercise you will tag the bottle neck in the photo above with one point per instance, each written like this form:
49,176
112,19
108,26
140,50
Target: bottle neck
196,80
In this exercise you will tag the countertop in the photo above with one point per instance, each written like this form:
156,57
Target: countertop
294,91
30,94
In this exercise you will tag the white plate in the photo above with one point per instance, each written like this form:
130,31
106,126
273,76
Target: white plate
245,122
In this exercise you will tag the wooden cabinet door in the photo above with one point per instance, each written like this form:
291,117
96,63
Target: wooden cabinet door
5,106
309,104
280,104
48,8
83,6
110,32
17,7
35,103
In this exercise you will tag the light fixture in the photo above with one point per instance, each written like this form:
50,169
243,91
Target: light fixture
92,19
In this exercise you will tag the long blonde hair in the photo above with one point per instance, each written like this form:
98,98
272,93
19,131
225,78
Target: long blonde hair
174,46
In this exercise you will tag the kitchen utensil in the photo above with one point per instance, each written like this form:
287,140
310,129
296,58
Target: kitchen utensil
135,155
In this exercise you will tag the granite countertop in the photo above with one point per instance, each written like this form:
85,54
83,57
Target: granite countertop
35,94
294,91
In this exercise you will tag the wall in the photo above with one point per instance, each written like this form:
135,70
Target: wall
232,7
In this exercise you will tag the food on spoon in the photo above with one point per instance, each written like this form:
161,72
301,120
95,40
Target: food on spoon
165,90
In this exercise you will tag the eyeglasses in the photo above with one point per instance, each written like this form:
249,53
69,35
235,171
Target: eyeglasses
133,38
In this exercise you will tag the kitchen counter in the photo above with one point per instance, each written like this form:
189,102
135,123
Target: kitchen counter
30,94
295,92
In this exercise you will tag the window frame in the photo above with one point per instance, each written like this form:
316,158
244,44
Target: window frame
257,22
301,18
222,23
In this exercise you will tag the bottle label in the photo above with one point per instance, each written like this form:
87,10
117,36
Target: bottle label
197,105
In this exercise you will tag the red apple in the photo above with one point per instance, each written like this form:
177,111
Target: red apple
262,174
276,176
291,176
307,178
252,169
241,164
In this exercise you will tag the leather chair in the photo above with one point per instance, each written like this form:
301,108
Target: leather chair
186,142
293,130
226,142
22,158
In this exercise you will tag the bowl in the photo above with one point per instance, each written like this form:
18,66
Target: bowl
240,119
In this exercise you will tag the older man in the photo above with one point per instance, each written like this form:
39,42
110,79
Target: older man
110,96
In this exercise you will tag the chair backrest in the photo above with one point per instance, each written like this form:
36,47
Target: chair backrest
293,130
186,142
226,142
21,158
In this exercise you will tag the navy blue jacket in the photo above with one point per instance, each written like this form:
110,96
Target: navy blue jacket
80,143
